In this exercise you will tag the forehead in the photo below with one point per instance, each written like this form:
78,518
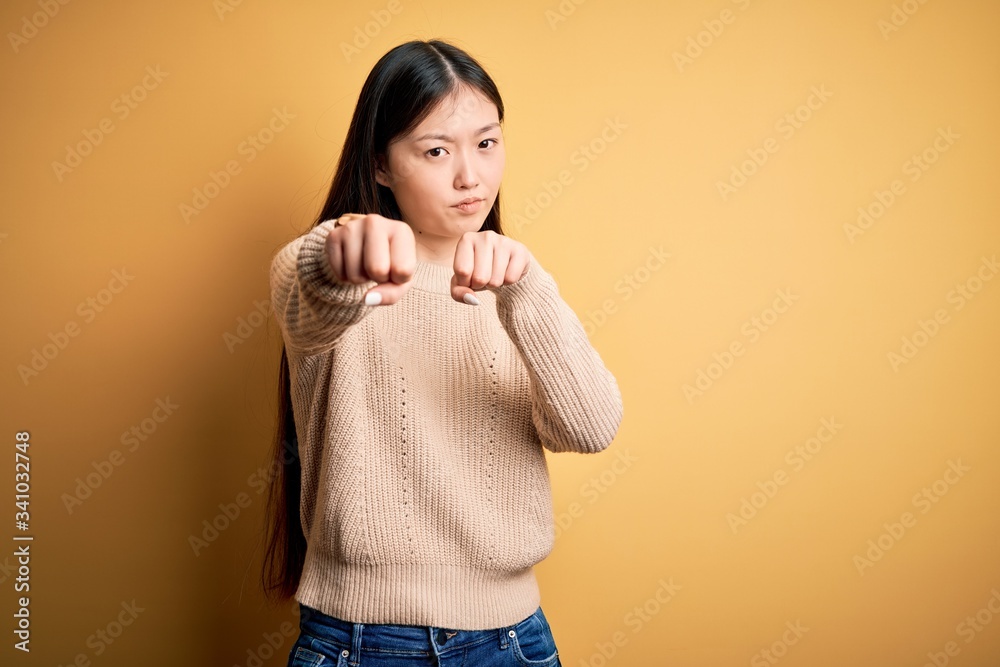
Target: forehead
466,109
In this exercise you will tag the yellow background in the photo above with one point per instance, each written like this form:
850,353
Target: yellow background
565,71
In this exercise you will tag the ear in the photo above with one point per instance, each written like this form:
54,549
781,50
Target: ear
381,177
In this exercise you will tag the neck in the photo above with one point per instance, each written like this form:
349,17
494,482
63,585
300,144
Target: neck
435,249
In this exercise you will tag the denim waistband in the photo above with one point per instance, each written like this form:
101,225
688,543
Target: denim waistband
402,638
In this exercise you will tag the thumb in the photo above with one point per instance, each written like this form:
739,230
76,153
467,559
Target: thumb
386,294
462,293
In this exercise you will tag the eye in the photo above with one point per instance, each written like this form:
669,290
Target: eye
432,150
495,142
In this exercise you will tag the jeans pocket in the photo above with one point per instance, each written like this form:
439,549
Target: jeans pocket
533,643
311,652
303,657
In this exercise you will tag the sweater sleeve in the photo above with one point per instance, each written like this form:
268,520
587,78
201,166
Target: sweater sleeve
313,308
576,402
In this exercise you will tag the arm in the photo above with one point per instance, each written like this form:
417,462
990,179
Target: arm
576,403
313,308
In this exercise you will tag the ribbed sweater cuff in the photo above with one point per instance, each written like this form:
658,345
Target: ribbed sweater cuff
315,273
528,283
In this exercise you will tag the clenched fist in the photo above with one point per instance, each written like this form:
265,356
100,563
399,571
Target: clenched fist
372,247
486,259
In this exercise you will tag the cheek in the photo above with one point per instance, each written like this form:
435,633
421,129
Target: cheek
408,178
496,170
419,190
406,170
426,185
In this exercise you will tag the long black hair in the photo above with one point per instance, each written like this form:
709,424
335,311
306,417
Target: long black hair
403,87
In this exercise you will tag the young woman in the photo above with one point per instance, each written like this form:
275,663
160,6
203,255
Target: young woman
428,359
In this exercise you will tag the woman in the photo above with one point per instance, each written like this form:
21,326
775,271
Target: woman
428,360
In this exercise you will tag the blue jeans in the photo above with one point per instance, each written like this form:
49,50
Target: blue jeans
330,642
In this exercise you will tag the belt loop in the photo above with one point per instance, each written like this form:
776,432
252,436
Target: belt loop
435,650
356,643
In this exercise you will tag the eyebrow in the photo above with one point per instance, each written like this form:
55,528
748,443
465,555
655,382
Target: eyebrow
445,137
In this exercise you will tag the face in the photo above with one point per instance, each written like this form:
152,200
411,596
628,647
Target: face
455,153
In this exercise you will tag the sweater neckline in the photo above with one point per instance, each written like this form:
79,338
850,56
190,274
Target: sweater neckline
431,277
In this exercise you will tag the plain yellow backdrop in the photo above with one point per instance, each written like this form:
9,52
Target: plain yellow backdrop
777,219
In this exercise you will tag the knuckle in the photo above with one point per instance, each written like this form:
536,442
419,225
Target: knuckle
377,269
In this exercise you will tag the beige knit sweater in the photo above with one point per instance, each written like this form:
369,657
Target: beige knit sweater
425,490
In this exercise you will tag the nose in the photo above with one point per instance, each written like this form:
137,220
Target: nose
465,171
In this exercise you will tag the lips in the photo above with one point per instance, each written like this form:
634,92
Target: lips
470,200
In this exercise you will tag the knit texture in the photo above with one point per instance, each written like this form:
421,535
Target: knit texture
426,497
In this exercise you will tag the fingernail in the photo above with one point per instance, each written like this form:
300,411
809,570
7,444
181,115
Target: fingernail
470,299
373,298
